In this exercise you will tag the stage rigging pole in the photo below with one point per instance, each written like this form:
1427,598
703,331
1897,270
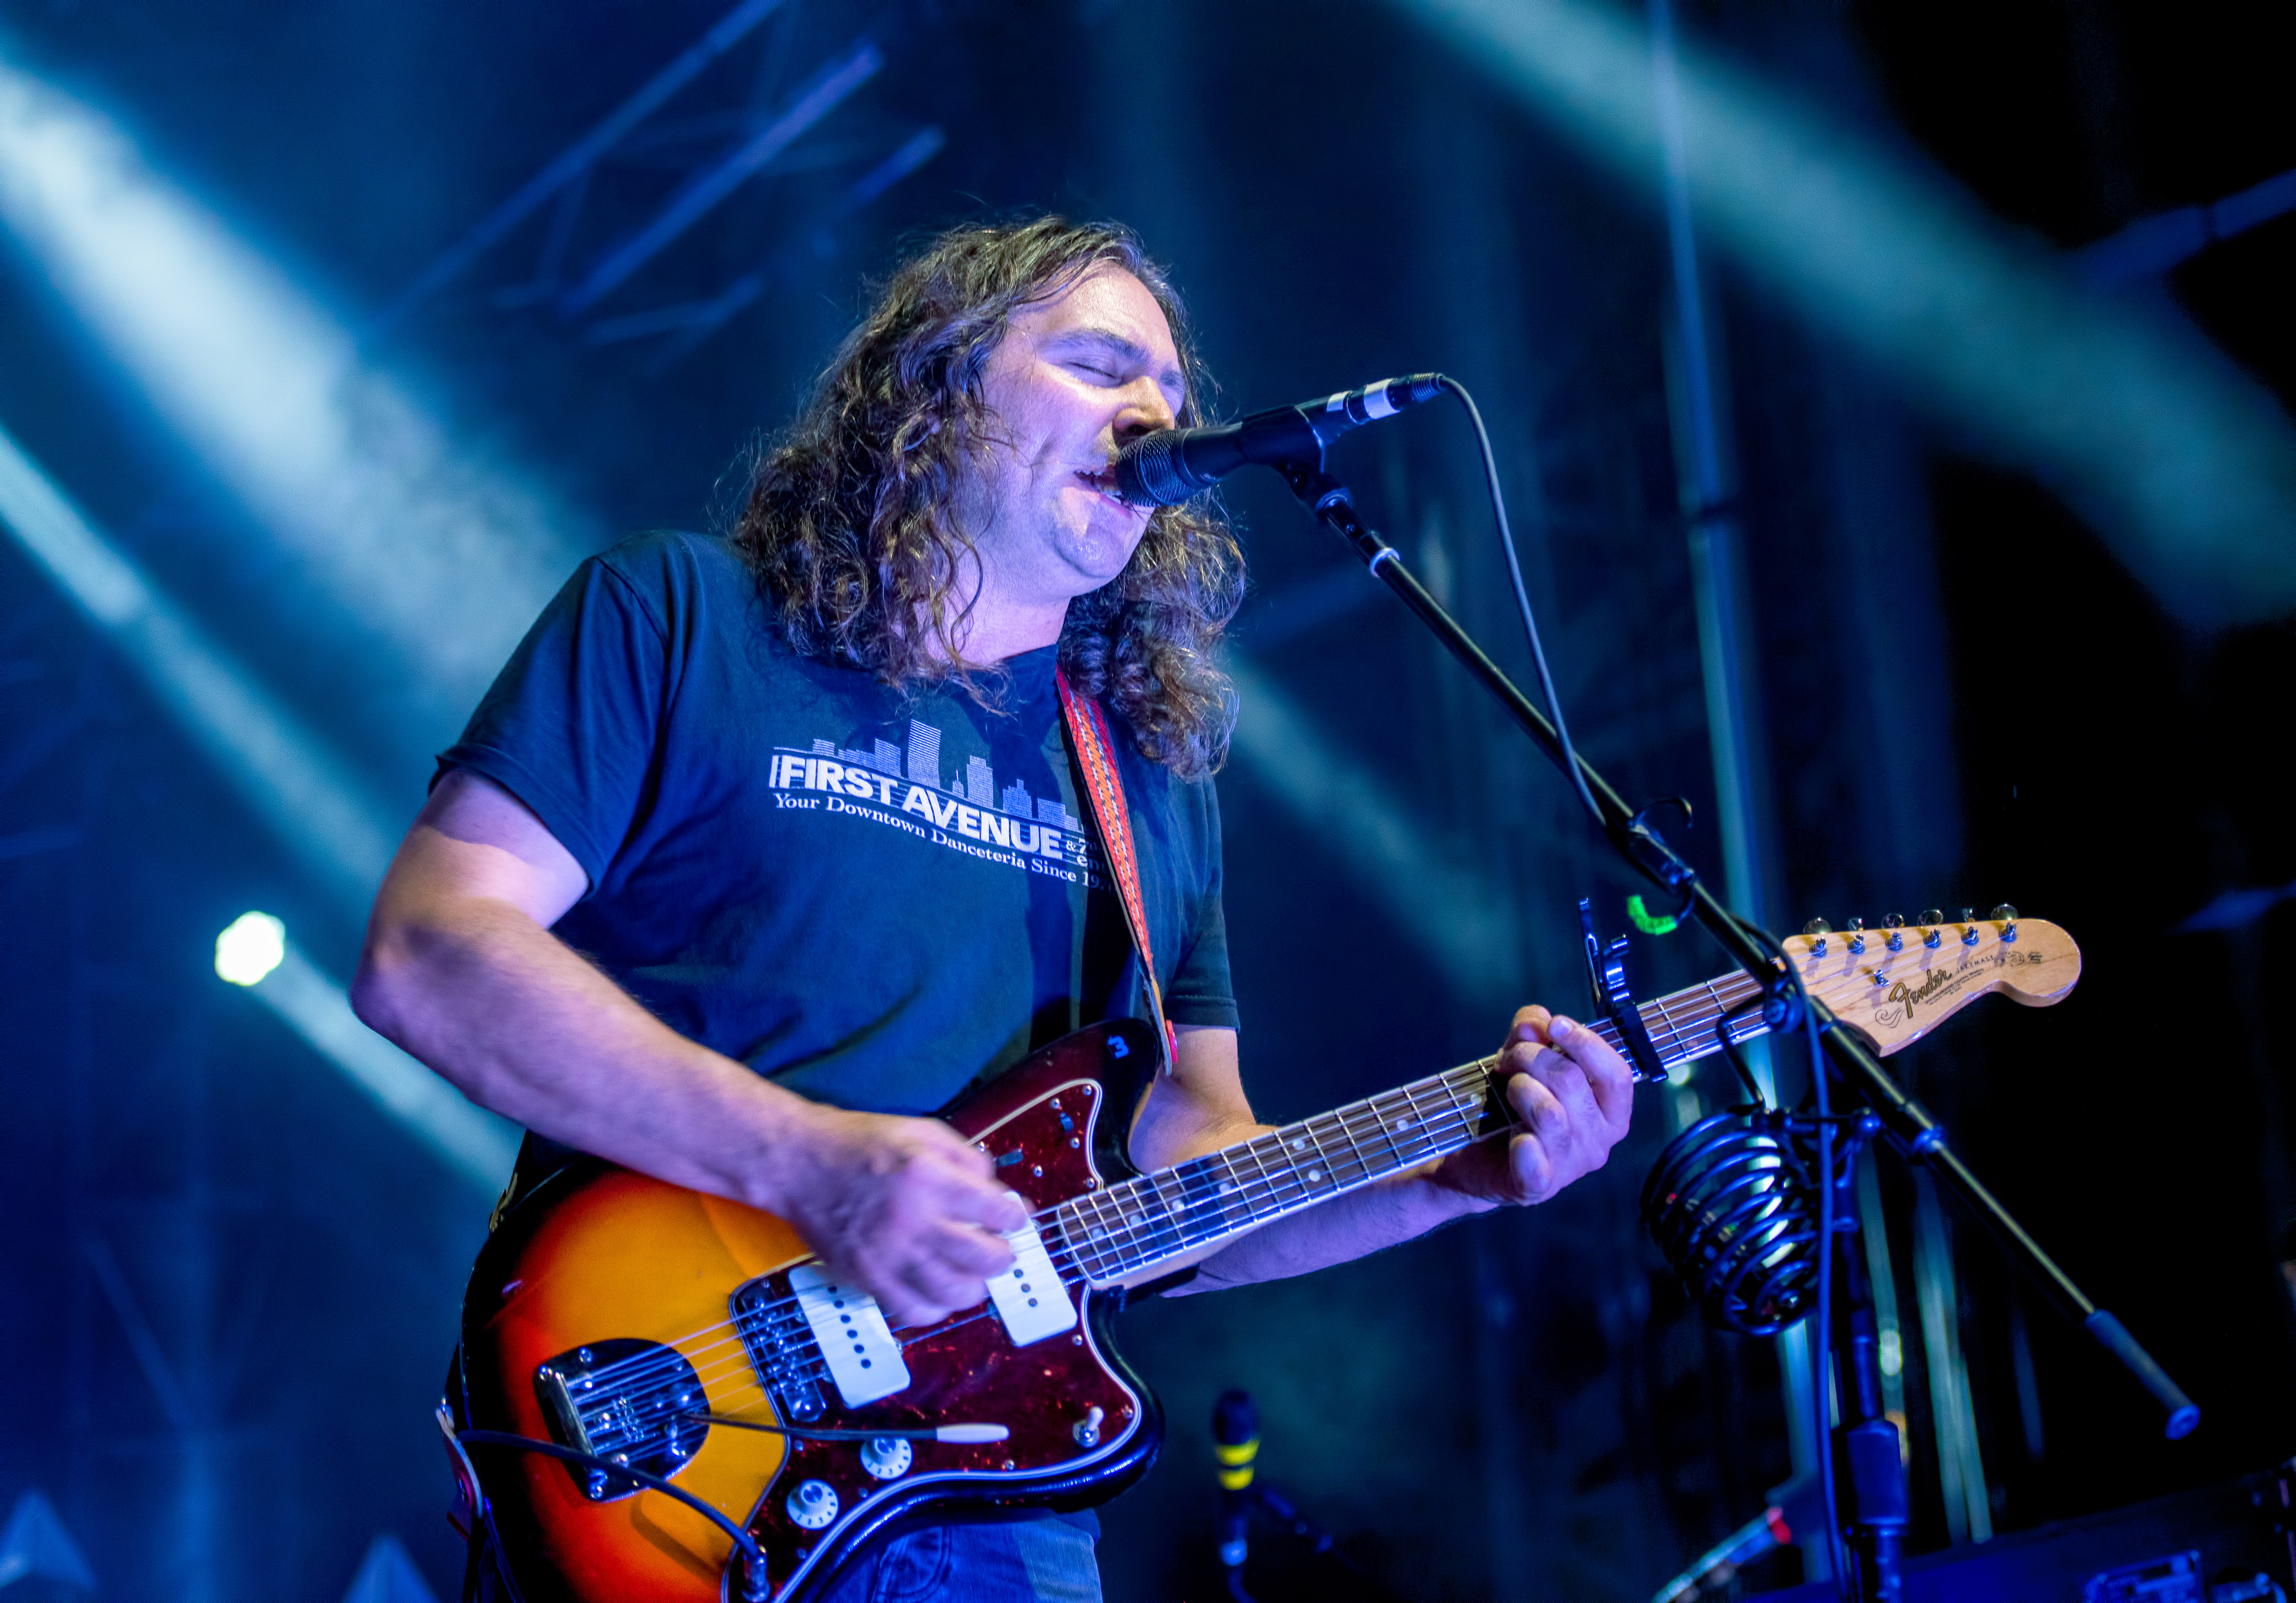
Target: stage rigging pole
1708,484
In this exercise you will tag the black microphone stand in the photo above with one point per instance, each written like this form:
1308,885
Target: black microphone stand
1909,1125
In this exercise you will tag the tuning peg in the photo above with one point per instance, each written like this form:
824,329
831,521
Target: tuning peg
1857,937
1969,926
1930,917
2007,915
1816,930
1896,925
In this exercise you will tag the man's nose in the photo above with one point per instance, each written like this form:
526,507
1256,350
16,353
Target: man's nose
1145,410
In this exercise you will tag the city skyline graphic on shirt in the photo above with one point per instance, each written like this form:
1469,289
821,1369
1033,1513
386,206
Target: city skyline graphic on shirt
977,784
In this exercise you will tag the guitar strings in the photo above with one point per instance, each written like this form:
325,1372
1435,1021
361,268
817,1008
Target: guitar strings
1166,1236
1104,1215
634,1368
1109,1230
1710,1004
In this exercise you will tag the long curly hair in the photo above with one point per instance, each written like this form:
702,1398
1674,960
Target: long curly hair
851,522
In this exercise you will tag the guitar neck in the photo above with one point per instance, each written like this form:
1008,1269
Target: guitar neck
1121,1232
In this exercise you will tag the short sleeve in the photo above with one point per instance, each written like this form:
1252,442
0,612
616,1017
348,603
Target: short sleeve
1201,991
570,726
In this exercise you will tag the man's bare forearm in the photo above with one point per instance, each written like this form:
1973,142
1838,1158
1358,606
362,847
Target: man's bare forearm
519,1024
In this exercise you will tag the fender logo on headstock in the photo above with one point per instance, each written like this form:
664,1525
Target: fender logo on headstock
1932,981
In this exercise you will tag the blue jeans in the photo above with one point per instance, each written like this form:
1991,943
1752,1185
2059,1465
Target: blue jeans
1037,1561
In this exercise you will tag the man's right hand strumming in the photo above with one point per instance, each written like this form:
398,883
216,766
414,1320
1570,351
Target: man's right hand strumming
905,1207
461,969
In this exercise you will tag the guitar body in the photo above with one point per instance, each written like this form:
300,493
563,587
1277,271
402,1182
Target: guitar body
607,1306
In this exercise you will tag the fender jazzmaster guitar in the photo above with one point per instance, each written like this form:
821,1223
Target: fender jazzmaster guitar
676,1351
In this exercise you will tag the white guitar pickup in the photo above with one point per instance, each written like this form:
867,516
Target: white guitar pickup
864,1360
1030,1297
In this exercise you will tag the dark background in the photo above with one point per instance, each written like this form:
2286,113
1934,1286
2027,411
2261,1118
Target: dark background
231,1282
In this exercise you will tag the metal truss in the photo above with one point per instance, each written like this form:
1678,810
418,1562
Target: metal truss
702,160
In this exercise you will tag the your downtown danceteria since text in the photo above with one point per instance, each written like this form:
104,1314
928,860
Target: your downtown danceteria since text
905,790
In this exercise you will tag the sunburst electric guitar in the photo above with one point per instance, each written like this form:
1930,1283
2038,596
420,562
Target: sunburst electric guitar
666,1393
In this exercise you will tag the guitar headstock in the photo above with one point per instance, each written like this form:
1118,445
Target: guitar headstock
1937,967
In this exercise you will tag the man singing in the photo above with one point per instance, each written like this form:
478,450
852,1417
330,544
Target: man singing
691,894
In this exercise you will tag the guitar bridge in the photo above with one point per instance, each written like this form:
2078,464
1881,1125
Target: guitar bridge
629,1401
780,1347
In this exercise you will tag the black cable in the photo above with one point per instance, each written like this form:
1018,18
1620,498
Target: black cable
1522,598
753,1587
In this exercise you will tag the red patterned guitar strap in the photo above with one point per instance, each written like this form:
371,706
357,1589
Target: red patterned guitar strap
1103,788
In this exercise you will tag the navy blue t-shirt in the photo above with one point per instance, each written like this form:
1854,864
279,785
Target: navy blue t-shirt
875,897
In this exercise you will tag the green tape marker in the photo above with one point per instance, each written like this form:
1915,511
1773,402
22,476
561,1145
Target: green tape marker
1648,922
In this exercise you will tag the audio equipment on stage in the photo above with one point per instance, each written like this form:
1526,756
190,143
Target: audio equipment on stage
1792,1511
1168,467
2215,1545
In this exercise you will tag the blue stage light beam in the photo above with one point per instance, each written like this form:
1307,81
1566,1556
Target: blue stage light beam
440,552
283,770
253,953
2183,463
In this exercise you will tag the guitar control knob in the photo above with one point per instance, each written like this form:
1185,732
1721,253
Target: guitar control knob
888,1458
813,1505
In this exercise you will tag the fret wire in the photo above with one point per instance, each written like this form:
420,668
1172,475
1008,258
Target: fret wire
1263,1196
1355,1147
1382,1123
1370,1109
1082,1235
1321,1126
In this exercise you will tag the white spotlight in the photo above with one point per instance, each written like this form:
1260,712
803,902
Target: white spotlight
250,947
399,522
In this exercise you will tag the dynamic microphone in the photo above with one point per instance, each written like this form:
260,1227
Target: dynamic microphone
1166,468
